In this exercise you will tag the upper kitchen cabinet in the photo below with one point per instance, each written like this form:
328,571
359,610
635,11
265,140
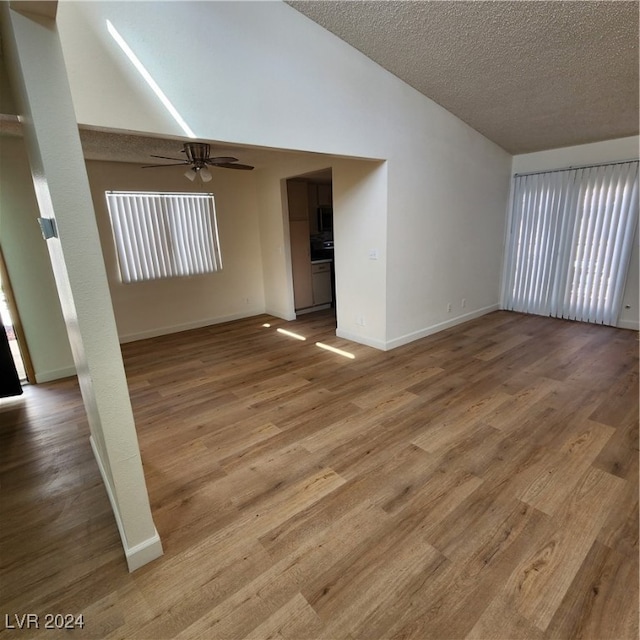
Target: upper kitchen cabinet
298,197
325,195
320,197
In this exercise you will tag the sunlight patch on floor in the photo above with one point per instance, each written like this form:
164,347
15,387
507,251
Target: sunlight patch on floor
291,334
340,352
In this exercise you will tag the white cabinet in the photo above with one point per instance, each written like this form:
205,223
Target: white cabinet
321,279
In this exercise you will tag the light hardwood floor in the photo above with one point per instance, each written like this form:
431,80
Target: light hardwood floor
480,483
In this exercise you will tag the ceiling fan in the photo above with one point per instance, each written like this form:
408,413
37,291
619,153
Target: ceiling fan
197,156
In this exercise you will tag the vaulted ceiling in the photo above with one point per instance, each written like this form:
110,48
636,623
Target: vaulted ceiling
529,75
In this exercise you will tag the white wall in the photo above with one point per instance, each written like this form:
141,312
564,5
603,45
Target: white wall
445,232
29,267
594,153
438,229
157,307
359,197
361,263
7,103
584,154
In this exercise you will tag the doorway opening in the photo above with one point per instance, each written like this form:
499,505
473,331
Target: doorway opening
310,203
12,328
7,323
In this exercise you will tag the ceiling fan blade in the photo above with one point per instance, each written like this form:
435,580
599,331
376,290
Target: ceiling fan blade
197,158
155,166
166,158
220,160
233,165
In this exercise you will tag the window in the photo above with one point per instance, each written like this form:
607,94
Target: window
571,239
164,235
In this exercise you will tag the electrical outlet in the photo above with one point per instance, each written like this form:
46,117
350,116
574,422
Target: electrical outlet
463,303
360,320
373,254
449,308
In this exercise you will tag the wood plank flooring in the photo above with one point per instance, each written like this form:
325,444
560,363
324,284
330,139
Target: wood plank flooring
479,483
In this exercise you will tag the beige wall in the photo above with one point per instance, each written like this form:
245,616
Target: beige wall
29,266
254,239
157,307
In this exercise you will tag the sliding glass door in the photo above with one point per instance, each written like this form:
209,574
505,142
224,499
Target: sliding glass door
571,236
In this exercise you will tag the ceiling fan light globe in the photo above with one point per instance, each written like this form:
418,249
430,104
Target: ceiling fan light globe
205,175
191,174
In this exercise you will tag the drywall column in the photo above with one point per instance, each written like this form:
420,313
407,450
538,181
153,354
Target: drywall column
38,77
361,264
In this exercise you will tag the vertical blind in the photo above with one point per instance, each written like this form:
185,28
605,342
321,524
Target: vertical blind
571,237
163,235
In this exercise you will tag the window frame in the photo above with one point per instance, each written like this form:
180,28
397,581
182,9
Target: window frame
160,235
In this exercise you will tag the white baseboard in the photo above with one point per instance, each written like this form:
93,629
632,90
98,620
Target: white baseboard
197,324
415,335
139,554
288,316
634,325
423,333
55,374
143,553
355,337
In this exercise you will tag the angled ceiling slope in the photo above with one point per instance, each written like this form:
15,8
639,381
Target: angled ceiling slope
529,75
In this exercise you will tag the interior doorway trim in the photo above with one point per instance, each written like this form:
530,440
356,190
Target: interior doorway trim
17,323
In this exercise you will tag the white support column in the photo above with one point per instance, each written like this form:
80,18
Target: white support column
39,80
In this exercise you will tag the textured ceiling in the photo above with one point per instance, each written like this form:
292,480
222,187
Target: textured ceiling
529,75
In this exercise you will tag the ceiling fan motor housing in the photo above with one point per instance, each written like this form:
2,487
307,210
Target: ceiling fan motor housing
197,153
198,157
